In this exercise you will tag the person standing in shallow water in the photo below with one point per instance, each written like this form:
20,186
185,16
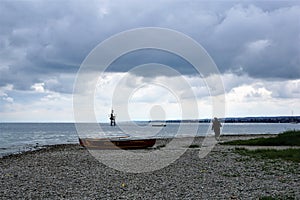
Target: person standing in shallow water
216,125
112,118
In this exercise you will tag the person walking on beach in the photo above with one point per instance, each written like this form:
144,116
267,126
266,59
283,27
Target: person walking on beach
216,125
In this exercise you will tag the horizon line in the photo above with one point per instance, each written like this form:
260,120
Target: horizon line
145,120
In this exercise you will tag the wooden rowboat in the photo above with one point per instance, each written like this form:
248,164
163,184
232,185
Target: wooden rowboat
116,143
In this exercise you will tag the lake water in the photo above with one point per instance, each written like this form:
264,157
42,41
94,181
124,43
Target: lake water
18,137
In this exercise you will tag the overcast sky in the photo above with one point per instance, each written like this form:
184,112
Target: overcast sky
255,45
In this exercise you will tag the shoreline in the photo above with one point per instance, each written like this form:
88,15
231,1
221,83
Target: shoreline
197,140
69,171
225,137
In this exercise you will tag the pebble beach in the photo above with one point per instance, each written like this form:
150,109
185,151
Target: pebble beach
71,172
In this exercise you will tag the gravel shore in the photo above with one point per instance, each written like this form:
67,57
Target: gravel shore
71,172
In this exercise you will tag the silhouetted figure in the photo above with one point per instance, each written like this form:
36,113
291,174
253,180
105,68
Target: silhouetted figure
216,125
112,118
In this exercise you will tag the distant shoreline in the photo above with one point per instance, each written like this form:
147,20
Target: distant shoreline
270,119
275,119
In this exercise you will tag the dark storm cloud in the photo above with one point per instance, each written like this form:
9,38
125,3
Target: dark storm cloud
41,40
137,58
261,44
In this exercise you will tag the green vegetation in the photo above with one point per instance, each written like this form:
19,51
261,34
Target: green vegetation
288,138
286,154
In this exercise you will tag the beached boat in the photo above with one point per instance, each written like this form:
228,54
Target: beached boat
116,143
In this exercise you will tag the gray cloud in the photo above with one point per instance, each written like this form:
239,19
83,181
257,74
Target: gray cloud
42,40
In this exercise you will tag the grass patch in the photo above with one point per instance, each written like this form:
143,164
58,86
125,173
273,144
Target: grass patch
285,154
288,138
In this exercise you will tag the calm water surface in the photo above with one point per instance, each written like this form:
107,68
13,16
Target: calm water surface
17,137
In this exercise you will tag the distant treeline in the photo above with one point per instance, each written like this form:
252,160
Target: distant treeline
279,119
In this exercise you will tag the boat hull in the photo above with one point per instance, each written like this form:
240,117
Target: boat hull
100,143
